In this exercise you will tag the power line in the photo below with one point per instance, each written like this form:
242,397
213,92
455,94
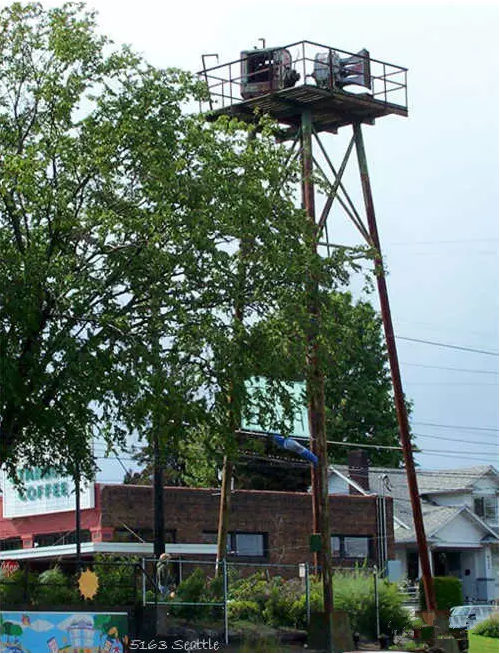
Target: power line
412,383
475,370
453,347
447,453
436,424
450,241
490,457
454,440
424,472
363,446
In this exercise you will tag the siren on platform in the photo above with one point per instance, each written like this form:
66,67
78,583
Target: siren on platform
331,71
265,71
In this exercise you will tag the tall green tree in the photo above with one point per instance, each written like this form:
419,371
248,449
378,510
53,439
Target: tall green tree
120,219
358,392
358,388
359,396
359,402
94,178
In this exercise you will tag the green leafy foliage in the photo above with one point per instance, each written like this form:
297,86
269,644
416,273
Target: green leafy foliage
16,588
119,580
199,589
255,588
488,627
358,390
282,602
54,587
83,228
278,609
354,593
244,610
448,591
130,233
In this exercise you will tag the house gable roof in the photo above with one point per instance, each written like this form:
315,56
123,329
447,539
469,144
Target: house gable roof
429,482
437,518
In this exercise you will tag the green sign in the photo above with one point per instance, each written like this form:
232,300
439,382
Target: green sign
315,543
258,386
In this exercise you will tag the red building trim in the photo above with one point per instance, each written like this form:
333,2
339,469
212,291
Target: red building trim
29,526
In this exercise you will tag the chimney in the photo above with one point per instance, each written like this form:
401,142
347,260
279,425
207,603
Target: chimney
358,470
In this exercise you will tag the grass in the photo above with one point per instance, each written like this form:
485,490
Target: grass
482,644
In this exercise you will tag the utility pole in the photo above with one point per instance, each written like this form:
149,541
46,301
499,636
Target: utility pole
224,508
159,521
78,536
402,414
234,417
316,393
234,411
158,499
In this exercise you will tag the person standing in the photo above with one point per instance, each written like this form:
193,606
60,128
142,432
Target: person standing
165,577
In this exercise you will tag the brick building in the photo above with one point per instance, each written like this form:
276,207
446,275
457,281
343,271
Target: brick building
265,526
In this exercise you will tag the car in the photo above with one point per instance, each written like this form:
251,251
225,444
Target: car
469,615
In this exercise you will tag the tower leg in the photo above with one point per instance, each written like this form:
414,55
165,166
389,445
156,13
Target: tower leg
316,393
402,414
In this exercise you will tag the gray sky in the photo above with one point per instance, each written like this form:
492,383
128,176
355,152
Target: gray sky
434,178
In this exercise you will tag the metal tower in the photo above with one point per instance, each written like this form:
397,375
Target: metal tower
319,89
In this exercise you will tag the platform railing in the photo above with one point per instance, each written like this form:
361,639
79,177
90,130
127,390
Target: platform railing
224,81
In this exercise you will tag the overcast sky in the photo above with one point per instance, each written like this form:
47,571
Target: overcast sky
434,177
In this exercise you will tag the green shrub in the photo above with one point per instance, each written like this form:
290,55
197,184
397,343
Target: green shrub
198,588
119,584
354,593
54,587
255,588
244,610
299,607
277,609
215,588
448,591
191,589
17,588
488,627
282,602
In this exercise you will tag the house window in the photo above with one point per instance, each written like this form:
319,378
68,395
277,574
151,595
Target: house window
486,507
60,538
248,544
241,543
351,547
11,544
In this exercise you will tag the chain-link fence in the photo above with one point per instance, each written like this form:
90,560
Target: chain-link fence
193,593
195,590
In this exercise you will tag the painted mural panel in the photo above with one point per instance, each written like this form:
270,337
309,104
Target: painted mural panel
45,631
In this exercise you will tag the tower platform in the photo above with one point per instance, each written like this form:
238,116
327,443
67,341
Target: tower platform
338,87
330,109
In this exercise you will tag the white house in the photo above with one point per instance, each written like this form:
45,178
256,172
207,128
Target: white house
460,511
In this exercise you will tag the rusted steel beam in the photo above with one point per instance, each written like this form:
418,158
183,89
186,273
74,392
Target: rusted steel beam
402,414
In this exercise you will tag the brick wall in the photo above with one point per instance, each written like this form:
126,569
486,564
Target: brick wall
285,517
